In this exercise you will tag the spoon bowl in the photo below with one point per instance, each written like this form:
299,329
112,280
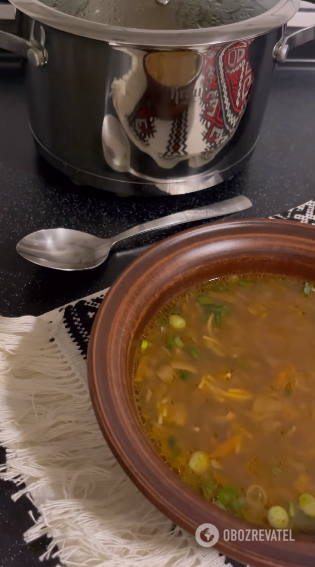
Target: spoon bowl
64,249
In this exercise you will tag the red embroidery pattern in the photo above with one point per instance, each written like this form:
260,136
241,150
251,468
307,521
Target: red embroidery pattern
142,121
227,78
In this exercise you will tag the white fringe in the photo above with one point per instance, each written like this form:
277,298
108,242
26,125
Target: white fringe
57,455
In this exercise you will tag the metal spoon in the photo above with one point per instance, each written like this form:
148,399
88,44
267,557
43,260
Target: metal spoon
66,249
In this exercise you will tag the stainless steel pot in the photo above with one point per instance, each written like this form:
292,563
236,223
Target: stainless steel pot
163,111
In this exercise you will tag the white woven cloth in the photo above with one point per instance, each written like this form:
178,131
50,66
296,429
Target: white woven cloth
56,454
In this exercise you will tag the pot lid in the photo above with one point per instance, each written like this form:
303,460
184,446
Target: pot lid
167,23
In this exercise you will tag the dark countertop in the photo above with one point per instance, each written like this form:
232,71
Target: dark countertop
34,196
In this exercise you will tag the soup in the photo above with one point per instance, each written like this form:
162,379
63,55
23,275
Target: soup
224,380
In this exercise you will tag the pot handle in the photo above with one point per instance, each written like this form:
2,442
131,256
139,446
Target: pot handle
295,39
36,54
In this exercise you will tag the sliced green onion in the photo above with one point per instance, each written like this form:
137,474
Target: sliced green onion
237,504
288,389
227,494
199,462
170,342
307,504
144,345
193,352
218,319
178,342
183,375
172,441
177,322
291,510
278,517
307,288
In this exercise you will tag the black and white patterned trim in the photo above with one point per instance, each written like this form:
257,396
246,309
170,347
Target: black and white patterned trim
303,213
78,320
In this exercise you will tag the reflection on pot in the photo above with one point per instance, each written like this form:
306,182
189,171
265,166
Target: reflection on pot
115,144
171,79
227,78
177,112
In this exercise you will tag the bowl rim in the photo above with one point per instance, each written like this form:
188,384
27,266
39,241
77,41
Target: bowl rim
110,400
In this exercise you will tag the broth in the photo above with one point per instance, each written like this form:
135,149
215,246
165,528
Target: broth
224,378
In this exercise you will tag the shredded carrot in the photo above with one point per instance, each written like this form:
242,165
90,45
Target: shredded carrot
229,446
219,478
281,380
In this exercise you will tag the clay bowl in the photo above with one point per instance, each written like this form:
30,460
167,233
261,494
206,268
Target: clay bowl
190,257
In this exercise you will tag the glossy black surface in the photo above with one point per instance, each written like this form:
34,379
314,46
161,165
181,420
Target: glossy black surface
34,196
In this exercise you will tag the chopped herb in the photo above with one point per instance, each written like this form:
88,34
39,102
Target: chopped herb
193,352
218,319
288,389
144,345
218,311
209,489
170,342
245,283
171,441
183,375
219,308
227,494
204,300
214,308
277,471
237,504
307,288
178,342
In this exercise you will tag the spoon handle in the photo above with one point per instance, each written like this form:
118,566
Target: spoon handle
222,208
